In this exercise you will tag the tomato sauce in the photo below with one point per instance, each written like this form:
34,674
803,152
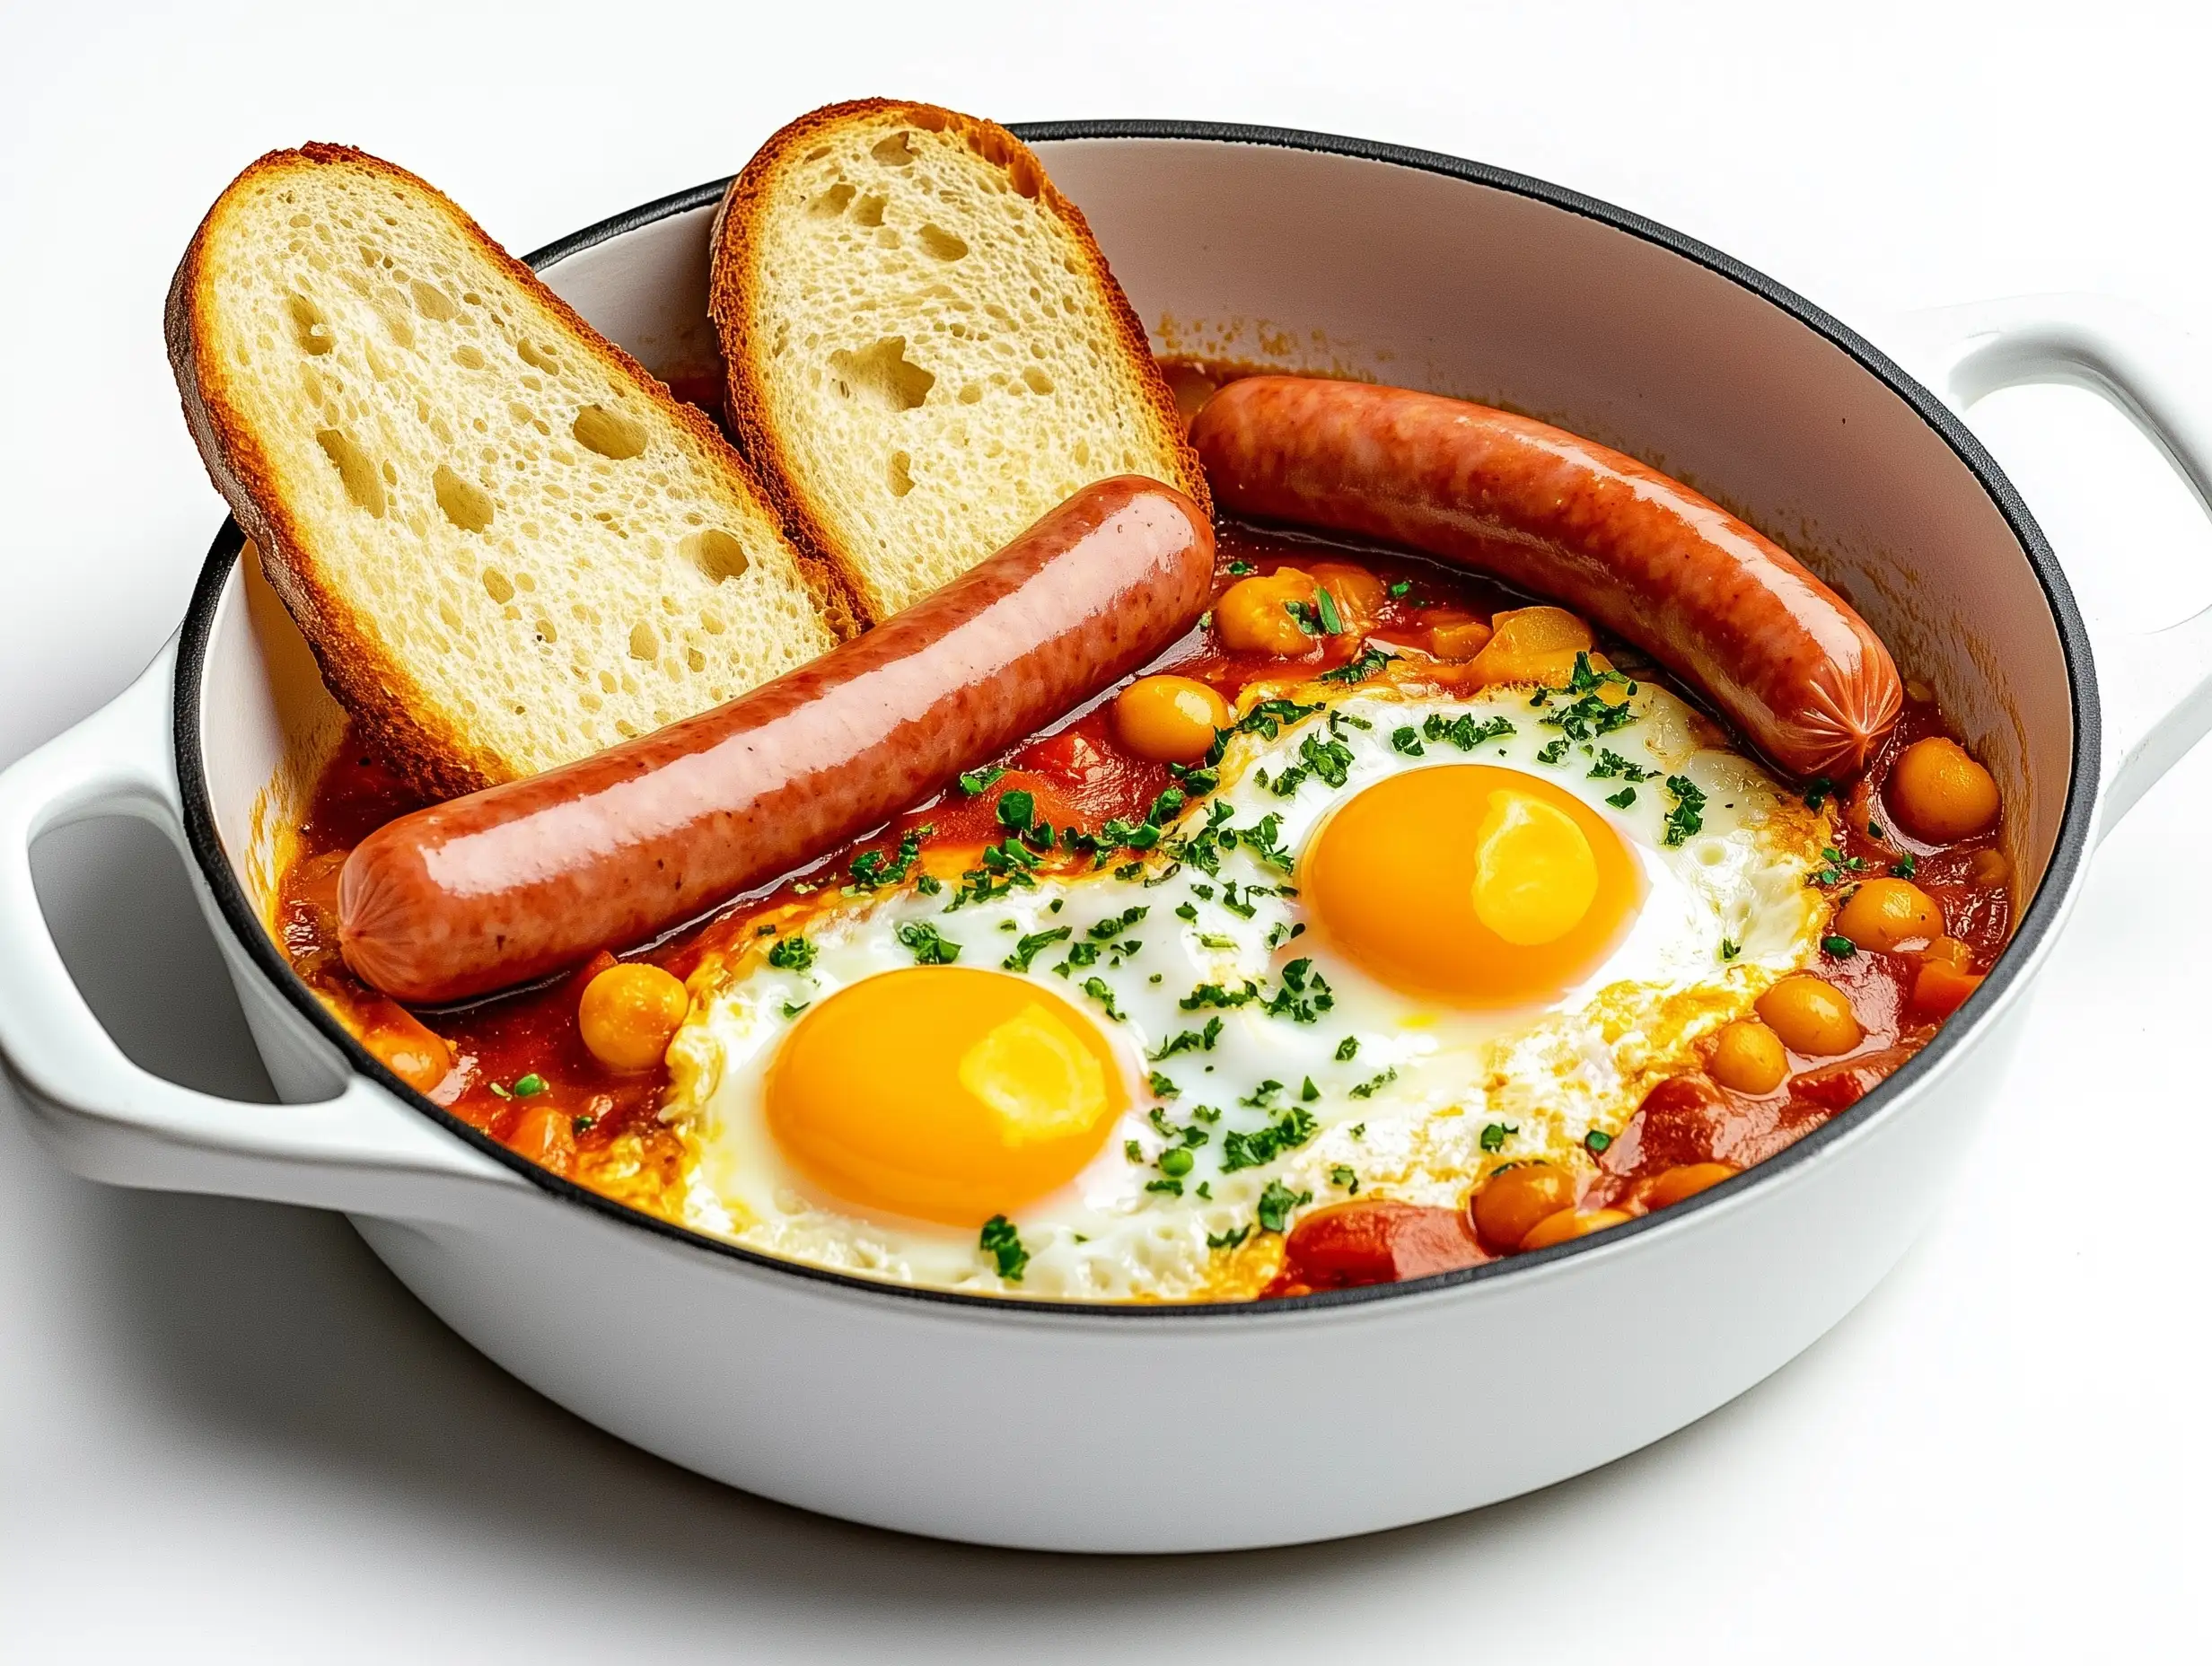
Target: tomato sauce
515,1064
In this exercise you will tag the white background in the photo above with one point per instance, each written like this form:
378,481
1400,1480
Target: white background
225,1432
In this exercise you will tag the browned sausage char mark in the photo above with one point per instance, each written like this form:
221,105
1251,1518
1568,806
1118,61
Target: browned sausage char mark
1784,656
524,879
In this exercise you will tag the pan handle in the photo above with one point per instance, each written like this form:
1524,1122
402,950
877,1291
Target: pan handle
2156,686
104,1117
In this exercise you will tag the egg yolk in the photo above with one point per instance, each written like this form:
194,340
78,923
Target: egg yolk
943,1093
1471,884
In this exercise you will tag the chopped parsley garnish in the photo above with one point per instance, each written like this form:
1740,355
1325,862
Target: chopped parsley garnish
1229,1239
1622,799
1346,1047
871,869
1243,906
1214,940
1171,1187
1407,740
1495,1134
1304,996
1552,751
1462,731
1099,990
1369,661
1585,677
1611,763
1164,1086
1241,569
1001,1242
1331,760
583,1124
1592,715
1402,588
1113,926
1325,605
1269,718
930,948
1287,1132
1276,1203
1031,943
1688,816
1359,1130
1340,1175
1596,1140
976,780
1730,948
532,1083
1005,868
1261,1095
1369,1088
1842,948
791,954
1215,995
1906,865
1133,1151
1817,791
1192,1040
1309,1092
792,1008
1016,810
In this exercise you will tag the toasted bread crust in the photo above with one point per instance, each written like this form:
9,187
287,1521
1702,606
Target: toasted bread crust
734,284
391,712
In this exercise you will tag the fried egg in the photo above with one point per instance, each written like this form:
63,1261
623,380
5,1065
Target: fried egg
1399,939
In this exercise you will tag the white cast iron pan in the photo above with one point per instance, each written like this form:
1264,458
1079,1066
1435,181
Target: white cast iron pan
1013,1421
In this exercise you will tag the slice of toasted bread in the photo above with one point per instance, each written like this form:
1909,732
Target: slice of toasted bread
926,348
507,545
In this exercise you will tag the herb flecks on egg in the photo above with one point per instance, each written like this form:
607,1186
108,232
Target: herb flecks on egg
1229,1000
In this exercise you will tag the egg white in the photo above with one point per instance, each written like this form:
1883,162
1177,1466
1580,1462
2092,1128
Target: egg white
1724,912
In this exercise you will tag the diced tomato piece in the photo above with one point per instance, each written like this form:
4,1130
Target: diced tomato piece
1842,1084
1942,988
1375,1242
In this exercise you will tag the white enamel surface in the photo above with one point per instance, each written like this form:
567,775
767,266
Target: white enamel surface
890,1410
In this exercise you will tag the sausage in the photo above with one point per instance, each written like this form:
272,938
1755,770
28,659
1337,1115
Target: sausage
531,876
1780,653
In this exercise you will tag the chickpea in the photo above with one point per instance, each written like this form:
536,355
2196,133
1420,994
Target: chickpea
1889,915
1670,1185
1253,614
1938,794
1512,1200
1557,1229
1170,720
1748,1057
1811,1015
629,1013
